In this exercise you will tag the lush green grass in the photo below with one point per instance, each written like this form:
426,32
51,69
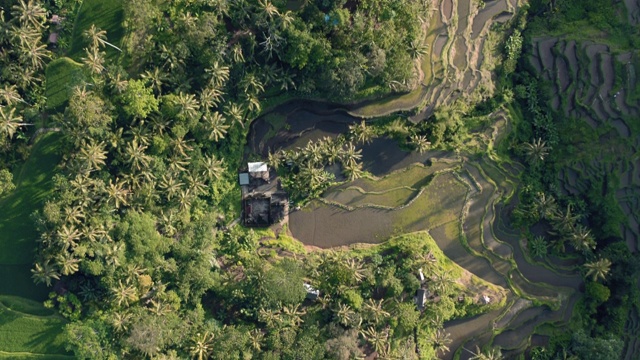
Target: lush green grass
62,76
23,330
17,233
106,15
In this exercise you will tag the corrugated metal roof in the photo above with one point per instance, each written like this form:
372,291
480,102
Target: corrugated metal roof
257,167
244,179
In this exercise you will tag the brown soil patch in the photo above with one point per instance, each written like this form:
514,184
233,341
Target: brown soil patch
490,10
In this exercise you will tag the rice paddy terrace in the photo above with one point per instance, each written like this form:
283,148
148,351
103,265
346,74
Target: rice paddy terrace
459,59
599,86
463,202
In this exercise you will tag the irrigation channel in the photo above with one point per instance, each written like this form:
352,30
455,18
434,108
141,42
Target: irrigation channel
464,202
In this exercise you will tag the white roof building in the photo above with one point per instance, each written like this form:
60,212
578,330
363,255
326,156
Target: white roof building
255,167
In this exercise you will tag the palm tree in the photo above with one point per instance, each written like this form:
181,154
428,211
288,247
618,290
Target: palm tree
352,171
598,269
188,105
215,125
202,346
170,185
180,147
255,338
267,9
184,199
490,354
269,317
94,60
156,78
235,113
212,167
421,143
124,293
236,53
93,155
581,239
67,263
374,311
34,53
44,273
565,222
120,320
417,49
351,156
377,339
135,155
219,74
538,246
251,84
442,282
361,132
252,103
210,97
10,95
29,13
536,151
117,193
356,271
195,185
98,37
68,236
440,341
73,215
345,315
10,122
544,206
293,315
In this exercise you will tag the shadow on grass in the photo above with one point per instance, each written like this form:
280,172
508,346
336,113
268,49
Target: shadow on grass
17,232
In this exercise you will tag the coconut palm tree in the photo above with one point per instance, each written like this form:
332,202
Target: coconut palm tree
352,171
68,236
29,13
598,269
421,143
218,73
442,282
255,338
538,246
73,215
565,222
170,185
184,199
292,315
117,193
235,113
43,272
10,95
536,151
194,184
582,239
251,84
215,125
34,54
213,167
67,263
180,147
94,61
188,105
345,315
98,37
374,311
120,320
544,206
156,78
490,354
210,97
135,155
377,339
252,103
267,9
417,49
269,317
440,341
237,56
355,268
92,155
361,133
124,293
202,346
351,156
10,122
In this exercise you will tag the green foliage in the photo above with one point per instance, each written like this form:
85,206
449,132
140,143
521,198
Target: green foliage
108,16
283,284
62,75
586,347
6,182
138,100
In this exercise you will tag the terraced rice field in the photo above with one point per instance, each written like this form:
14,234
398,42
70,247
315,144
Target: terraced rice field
457,35
465,205
596,85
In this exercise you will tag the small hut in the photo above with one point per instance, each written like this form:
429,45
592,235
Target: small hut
259,170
